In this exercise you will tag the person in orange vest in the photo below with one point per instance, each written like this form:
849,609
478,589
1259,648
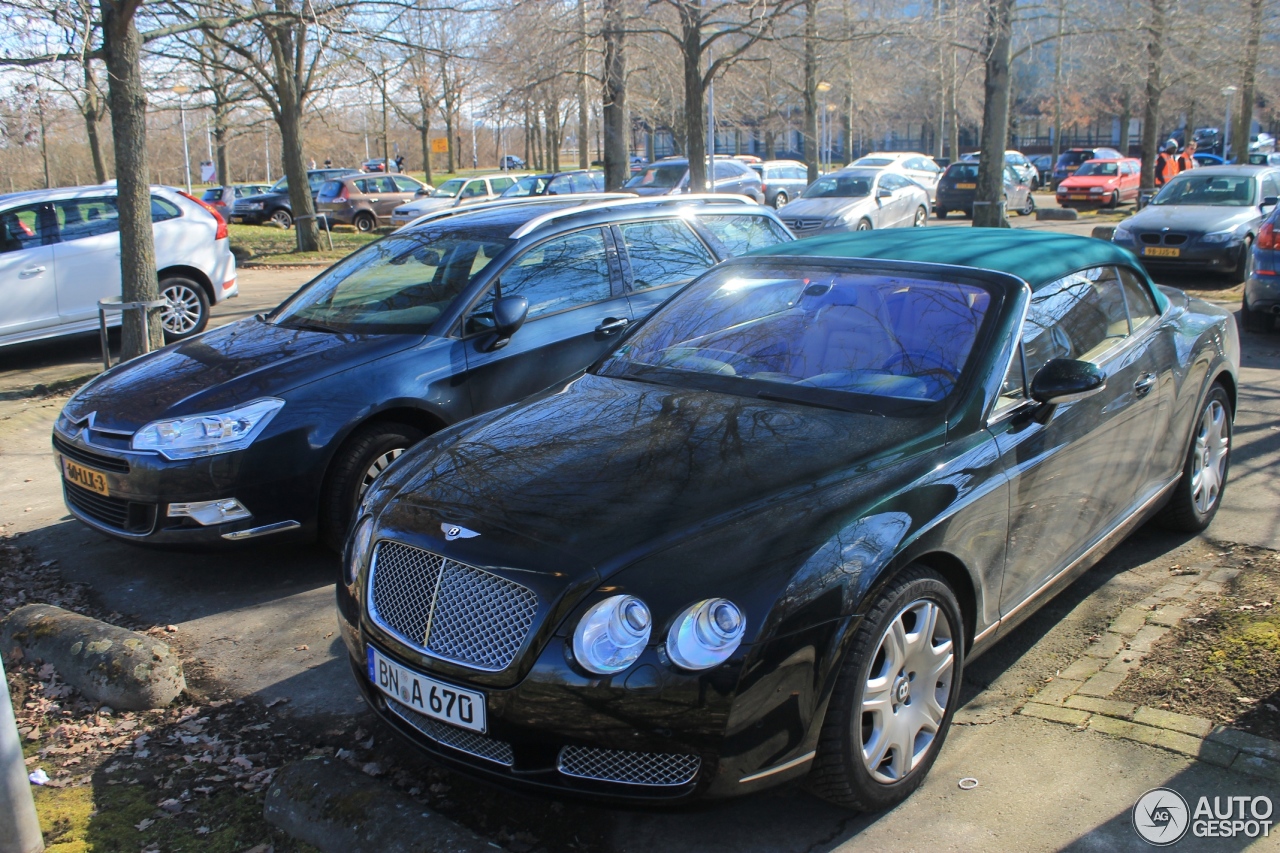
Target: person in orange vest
1187,159
1166,163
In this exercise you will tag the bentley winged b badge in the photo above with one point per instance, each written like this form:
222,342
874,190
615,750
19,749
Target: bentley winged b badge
453,531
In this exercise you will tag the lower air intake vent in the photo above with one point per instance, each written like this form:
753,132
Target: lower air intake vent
460,739
629,768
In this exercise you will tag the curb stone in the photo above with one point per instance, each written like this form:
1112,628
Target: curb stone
1078,695
339,810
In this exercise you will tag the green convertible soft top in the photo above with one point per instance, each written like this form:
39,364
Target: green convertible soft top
1033,256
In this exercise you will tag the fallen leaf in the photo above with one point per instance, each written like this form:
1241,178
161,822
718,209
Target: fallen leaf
143,824
202,830
275,702
171,805
304,647
373,768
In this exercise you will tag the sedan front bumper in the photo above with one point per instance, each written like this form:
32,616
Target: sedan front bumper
1191,255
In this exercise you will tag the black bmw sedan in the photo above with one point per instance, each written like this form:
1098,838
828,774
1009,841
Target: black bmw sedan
275,425
761,537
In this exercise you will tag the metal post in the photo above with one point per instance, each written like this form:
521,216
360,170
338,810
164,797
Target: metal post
1228,91
186,153
19,826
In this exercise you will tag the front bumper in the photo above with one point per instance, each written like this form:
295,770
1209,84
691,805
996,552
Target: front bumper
141,487
249,217
1192,255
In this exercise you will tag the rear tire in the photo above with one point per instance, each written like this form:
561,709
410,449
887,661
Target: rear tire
941,213
1029,206
356,465
186,312
1198,494
364,222
922,218
779,200
908,650
864,225
1255,321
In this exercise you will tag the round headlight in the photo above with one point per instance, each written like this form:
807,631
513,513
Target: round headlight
361,537
706,634
612,634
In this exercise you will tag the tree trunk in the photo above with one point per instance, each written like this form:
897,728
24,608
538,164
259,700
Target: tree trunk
295,169
617,165
220,112
584,91
44,139
988,205
448,131
1057,86
127,99
1126,118
1155,29
770,145
1248,82
812,147
92,117
695,120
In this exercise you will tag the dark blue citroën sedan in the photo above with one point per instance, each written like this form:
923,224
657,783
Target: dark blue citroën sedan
277,424
760,538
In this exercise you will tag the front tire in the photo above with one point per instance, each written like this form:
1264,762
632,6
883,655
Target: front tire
283,218
1244,266
1198,494
922,218
864,225
895,696
186,310
780,200
359,462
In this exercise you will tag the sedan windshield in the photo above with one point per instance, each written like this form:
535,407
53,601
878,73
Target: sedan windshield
1109,170
846,340
450,188
665,176
839,186
1220,190
280,186
398,285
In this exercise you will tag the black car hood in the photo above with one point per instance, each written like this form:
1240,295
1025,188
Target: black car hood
1191,218
237,363
607,469
265,197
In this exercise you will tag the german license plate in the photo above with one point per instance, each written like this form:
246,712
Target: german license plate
427,696
966,186
1160,252
85,478
1078,197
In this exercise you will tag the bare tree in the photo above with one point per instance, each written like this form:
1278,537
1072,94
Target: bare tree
988,212
617,131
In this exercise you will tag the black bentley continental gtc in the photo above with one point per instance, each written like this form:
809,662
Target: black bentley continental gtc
760,538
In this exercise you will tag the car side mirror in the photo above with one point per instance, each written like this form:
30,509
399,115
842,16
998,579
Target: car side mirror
1065,380
509,314
1270,201
884,193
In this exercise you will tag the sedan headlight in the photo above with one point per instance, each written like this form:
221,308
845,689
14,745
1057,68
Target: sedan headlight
204,435
1122,233
1219,236
1097,189
612,634
251,205
361,538
706,634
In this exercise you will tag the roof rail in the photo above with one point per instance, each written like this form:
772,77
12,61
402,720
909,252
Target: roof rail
652,201
587,198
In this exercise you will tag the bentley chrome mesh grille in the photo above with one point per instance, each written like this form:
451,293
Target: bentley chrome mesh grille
630,768
447,609
498,751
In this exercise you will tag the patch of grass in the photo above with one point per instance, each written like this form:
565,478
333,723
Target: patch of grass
64,817
263,244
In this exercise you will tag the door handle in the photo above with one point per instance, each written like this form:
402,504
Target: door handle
611,325
374,200
30,271
1144,384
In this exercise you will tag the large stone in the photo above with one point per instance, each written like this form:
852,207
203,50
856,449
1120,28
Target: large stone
339,810
115,666
1057,213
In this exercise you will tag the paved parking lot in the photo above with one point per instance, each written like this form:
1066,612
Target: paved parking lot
259,622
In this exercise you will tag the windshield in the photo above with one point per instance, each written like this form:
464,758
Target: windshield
280,186
398,285
450,188
532,185
839,186
851,340
1109,170
1218,190
664,176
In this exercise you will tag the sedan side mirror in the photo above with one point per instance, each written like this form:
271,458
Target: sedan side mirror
509,313
884,193
1065,380
1269,201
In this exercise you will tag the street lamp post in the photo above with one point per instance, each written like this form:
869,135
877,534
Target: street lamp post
823,88
1227,92
181,91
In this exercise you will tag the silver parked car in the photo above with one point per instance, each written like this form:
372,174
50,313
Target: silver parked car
781,180
916,166
858,200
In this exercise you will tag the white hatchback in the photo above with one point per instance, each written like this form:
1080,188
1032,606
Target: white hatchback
60,254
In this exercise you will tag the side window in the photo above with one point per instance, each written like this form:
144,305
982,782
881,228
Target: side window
473,189
1270,189
1136,295
28,227
501,184
162,210
385,185
560,185
561,273
405,185
1075,317
725,169
364,186
663,253
892,182
740,233
87,217
582,183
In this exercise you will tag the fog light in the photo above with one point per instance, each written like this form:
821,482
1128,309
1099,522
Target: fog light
210,512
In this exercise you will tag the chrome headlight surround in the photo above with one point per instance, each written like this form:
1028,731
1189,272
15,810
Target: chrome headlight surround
1122,232
1219,236
194,436
358,549
706,634
612,634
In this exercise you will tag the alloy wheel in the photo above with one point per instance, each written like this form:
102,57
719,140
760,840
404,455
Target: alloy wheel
282,218
779,200
182,310
376,468
905,696
864,225
921,217
1209,460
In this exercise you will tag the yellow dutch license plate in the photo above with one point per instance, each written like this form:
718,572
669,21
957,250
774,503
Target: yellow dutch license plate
1160,252
966,186
85,478
1078,197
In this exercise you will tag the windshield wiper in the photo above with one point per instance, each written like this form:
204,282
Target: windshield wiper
803,400
310,326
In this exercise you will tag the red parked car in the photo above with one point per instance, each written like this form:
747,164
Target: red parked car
1102,183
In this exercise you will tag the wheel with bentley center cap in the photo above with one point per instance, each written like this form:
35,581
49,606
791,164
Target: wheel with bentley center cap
895,696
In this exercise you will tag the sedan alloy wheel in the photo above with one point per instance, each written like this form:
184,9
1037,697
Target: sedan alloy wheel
186,309
1209,457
